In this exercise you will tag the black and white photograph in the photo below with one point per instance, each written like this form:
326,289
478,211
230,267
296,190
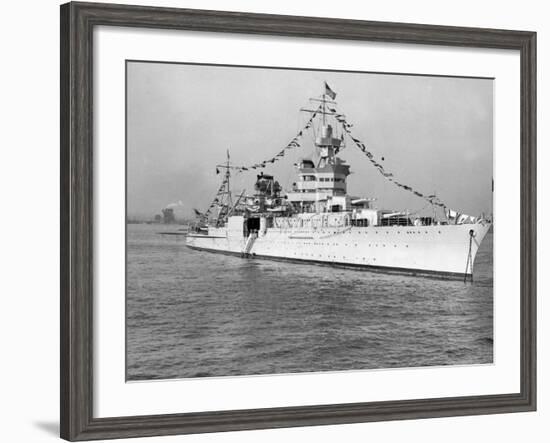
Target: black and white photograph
288,220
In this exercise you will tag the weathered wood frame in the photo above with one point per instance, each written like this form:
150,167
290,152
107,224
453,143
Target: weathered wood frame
77,23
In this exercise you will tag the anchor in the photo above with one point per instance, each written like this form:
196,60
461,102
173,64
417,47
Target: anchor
469,261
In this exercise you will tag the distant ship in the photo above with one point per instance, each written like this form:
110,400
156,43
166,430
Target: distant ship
317,221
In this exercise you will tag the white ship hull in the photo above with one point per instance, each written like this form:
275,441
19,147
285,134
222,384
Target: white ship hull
435,249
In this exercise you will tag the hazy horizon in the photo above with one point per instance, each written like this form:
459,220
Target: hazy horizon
434,133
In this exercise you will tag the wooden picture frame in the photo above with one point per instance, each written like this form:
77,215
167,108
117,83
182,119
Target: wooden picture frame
77,23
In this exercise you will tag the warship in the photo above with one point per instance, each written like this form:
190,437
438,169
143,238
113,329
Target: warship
317,221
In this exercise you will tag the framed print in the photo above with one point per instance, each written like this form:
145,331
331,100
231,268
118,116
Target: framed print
273,221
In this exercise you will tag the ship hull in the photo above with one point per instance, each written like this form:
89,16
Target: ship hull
442,250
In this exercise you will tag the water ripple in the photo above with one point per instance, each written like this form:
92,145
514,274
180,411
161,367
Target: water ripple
197,314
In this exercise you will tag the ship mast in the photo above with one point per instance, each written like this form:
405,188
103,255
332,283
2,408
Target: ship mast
328,145
323,111
227,178
223,198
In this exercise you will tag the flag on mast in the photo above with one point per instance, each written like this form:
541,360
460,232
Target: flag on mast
329,91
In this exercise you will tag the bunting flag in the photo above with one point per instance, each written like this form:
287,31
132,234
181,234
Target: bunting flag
214,202
432,199
294,143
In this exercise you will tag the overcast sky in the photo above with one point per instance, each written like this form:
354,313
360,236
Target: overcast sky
435,133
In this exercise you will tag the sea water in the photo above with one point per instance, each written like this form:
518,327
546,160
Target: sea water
198,314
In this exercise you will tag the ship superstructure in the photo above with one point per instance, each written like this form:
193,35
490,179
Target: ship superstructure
318,221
